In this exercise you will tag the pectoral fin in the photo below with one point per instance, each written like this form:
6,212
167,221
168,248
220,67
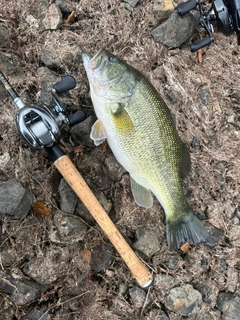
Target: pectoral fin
98,133
121,118
142,196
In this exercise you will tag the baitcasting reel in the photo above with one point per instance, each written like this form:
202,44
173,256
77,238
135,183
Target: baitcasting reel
40,125
224,15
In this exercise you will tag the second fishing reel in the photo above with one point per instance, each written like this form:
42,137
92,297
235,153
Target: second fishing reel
40,126
224,15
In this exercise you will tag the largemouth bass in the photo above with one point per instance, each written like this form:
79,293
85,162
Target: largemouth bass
140,131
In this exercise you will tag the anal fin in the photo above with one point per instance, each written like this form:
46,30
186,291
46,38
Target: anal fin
142,196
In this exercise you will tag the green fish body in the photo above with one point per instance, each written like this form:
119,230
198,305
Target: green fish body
140,131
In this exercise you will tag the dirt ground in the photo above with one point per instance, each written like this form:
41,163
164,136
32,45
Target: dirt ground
204,99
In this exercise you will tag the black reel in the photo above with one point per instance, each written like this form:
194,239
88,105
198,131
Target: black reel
40,126
224,15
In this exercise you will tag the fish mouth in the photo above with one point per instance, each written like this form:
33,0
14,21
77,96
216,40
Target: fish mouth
96,63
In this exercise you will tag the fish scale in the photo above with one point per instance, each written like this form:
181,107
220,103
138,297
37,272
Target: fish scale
141,134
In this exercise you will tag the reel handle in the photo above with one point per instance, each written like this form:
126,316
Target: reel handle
185,7
67,83
77,117
200,44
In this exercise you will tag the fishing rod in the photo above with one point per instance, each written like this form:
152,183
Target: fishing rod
224,15
40,127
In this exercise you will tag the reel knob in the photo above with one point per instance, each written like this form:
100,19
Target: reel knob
65,84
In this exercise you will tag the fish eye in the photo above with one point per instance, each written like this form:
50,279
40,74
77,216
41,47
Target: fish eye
113,59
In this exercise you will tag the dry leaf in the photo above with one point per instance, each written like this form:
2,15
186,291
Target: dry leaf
40,208
78,149
199,56
86,255
185,247
70,19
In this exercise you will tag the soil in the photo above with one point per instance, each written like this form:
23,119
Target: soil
204,99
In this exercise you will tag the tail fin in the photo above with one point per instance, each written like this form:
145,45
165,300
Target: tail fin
190,229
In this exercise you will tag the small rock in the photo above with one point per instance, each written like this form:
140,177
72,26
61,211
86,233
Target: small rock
163,316
115,170
132,3
227,127
69,226
53,19
163,283
101,257
8,256
147,241
48,58
173,262
138,296
123,288
63,6
236,96
3,35
4,159
204,95
9,62
68,198
216,233
195,143
172,97
15,201
47,267
204,316
81,132
205,291
176,30
184,300
162,9
93,169
83,212
38,8
20,292
221,265
232,279
231,119
36,314
236,221
58,52
40,176
199,263
156,314
229,305
47,79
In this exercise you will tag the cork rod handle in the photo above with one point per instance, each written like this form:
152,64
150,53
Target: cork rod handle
77,183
